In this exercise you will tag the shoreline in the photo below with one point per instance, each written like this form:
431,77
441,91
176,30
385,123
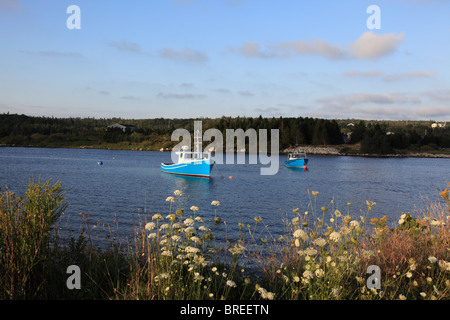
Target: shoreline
309,150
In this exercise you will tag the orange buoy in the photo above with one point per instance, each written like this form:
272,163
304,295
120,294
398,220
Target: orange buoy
230,177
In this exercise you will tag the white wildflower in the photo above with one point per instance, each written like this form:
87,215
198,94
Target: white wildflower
310,251
300,234
215,203
335,236
192,250
178,192
308,275
231,284
319,273
150,226
157,217
321,242
170,199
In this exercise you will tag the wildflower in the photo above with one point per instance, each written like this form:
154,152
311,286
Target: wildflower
195,239
401,221
308,275
231,284
191,250
444,265
237,249
215,203
157,217
166,253
179,212
335,236
423,294
257,219
296,210
402,297
310,251
299,233
178,192
189,230
265,294
198,277
170,199
335,292
432,259
204,229
319,273
189,222
321,242
370,204
152,235
409,274
295,221
337,213
194,208
149,226
171,217
213,269
315,193
354,224
296,279
176,238
444,194
199,219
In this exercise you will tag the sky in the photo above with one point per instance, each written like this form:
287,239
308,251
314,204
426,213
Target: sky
139,59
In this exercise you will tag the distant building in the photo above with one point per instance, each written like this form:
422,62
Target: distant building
438,125
123,127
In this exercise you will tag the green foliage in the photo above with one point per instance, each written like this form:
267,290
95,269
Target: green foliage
25,224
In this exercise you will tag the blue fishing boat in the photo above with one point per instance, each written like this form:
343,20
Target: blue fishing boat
296,160
197,163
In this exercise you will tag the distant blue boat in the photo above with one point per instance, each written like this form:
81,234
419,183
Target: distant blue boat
195,163
296,160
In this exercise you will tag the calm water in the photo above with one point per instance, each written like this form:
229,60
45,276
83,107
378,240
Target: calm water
129,182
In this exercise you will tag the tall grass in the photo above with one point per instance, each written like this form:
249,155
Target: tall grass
323,254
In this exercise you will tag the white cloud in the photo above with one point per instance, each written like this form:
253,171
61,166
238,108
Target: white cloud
170,95
410,75
356,73
343,101
185,55
11,6
125,46
373,46
368,46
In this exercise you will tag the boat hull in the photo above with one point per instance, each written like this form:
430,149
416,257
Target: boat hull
197,168
296,163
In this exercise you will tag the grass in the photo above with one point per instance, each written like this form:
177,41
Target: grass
324,254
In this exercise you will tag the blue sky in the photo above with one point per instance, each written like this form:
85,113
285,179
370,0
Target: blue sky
209,58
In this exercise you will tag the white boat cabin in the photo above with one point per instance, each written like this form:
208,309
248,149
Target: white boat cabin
296,155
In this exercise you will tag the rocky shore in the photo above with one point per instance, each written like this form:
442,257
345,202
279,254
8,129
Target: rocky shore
339,151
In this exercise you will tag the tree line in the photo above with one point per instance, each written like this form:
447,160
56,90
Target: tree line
380,137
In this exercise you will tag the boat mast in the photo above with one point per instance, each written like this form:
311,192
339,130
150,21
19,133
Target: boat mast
197,144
